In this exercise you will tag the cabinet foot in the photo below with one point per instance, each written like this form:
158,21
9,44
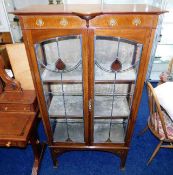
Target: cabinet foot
54,154
123,157
55,164
122,154
123,168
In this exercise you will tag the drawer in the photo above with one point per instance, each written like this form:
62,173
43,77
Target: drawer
9,143
126,21
52,22
12,108
15,128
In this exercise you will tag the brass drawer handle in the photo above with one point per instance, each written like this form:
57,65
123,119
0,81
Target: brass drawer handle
8,144
113,22
63,22
39,22
136,21
6,108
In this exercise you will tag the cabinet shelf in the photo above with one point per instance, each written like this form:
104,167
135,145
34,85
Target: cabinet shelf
100,76
70,118
80,82
102,107
80,94
62,118
101,132
76,131
128,75
114,81
74,106
65,94
54,77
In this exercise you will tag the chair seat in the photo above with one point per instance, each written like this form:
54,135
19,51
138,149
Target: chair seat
157,126
164,93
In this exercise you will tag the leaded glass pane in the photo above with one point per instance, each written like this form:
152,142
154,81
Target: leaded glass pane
60,64
116,68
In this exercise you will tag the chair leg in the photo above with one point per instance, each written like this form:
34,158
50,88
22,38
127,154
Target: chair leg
155,152
143,131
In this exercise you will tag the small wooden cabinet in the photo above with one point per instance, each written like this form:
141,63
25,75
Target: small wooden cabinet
89,64
19,117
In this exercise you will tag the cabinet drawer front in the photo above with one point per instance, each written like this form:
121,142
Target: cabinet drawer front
52,22
118,21
8,143
11,107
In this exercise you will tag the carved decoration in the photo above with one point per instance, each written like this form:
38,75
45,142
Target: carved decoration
10,83
87,17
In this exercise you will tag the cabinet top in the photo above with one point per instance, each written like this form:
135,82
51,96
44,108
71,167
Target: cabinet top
89,9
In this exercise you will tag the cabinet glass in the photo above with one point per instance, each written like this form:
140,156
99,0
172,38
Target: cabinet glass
60,64
116,68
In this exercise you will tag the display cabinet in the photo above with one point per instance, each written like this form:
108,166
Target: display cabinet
89,64
163,51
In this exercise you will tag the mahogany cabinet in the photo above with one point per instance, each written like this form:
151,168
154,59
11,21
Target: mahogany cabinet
89,64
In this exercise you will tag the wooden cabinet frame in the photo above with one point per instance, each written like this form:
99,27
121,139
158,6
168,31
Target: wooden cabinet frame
138,26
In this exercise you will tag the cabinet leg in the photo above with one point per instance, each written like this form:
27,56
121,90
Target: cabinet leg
54,157
123,157
38,150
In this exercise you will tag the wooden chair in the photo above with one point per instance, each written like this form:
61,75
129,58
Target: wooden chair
159,123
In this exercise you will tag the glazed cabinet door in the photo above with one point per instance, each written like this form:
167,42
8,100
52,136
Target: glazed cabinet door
114,92
62,66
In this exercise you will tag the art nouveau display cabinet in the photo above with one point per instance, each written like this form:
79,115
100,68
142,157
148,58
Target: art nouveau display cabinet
89,64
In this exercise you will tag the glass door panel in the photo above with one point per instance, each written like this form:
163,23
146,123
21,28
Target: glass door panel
60,64
116,68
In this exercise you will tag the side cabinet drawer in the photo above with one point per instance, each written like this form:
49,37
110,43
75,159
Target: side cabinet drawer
12,143
52,22
12,107
118,21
